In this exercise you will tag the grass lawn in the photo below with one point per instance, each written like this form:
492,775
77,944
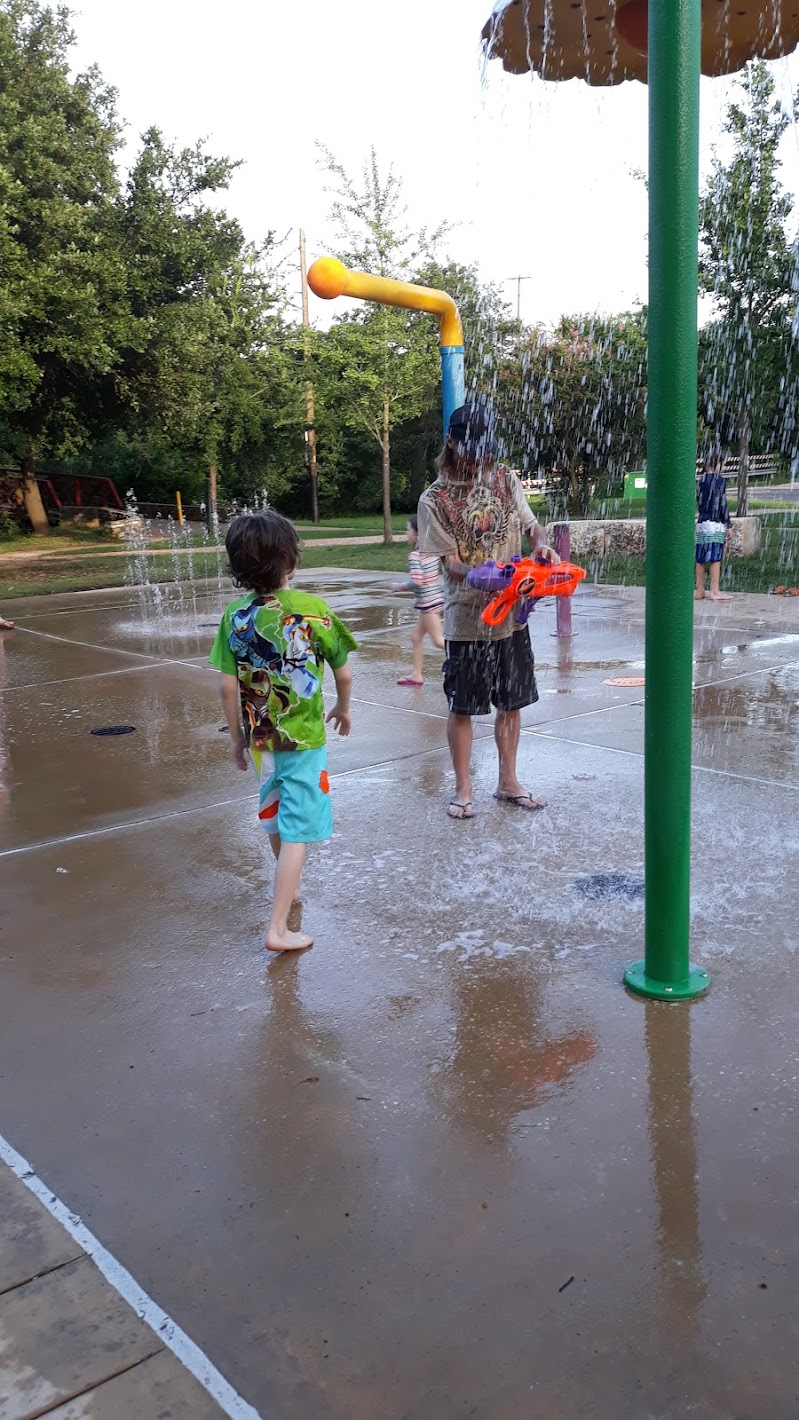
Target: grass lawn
86,567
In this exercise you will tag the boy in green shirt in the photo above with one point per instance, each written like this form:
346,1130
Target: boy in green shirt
271,649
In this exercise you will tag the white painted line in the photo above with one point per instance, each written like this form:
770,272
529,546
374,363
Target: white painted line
165,1328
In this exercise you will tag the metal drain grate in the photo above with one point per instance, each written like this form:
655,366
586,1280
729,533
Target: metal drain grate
605,887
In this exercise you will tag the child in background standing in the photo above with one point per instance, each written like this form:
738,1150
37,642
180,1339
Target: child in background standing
425,583
713,520
271,649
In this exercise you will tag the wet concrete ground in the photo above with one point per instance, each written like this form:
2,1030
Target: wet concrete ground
442,1165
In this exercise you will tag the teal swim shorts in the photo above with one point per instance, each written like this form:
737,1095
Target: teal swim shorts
294,794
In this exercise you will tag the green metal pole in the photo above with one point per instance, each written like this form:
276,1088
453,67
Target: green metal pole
674,36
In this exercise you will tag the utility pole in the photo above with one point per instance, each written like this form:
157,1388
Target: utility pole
518,280
310,427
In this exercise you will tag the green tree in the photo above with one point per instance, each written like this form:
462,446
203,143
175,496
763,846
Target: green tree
747,265
377,361
217,364
64,313
572,403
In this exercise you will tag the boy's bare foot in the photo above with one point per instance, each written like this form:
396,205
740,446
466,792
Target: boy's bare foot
719,596
699,596
6,625
287,941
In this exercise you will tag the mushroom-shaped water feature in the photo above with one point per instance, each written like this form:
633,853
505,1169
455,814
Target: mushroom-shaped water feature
666,43
605,43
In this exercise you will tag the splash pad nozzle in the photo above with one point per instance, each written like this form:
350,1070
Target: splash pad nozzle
329,278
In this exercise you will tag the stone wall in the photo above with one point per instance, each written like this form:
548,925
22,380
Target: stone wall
606,537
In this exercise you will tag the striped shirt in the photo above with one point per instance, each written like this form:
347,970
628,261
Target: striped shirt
425,582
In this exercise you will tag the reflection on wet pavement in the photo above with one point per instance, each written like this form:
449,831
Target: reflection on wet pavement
442,1164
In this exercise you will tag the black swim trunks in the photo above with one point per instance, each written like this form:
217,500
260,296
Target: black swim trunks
479,674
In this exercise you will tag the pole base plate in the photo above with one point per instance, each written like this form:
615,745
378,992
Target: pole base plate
696,982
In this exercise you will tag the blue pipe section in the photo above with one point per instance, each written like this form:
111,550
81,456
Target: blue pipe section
453,381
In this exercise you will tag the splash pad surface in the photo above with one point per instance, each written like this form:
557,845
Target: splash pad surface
361,1180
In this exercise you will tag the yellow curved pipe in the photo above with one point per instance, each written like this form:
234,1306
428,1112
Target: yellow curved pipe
329,278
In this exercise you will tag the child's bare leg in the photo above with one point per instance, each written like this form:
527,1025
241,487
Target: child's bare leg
275,844
417,641
417,669
288,872
700,582
432,627
715,595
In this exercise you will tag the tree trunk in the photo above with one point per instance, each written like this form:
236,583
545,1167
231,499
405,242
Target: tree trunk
31,494
385,445
574,502
211,520
744,435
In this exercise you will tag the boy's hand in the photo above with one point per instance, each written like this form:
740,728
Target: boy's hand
341,719
237,754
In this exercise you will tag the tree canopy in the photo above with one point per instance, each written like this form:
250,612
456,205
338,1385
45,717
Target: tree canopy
747,264
145,337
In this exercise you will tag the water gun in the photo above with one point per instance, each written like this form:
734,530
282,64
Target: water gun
524,580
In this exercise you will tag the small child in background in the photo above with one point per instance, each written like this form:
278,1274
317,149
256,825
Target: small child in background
425,583
271,648
713,520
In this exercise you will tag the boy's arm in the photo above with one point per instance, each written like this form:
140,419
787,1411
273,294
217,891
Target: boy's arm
340,714
231,704
538,547
531,526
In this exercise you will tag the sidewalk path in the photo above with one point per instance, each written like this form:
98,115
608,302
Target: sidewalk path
54,553
71,1346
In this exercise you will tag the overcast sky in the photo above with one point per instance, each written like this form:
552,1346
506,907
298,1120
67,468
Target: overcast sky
540,180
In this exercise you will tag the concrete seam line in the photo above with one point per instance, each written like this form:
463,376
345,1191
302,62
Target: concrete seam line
128,823
744,675
70,679
639,754
584,714
217,804
70,641
164,1327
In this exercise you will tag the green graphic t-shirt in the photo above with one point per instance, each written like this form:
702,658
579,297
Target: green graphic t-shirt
277,645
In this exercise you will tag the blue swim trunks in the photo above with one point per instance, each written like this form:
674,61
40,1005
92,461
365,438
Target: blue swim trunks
294,795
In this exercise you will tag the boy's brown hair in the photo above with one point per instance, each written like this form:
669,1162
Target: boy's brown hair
263,550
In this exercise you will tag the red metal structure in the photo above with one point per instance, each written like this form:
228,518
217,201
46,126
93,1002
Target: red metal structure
59,491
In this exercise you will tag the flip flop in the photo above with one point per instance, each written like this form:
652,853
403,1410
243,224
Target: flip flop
522,801
461,817
406,680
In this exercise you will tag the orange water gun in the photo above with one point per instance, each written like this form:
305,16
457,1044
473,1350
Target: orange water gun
524,580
